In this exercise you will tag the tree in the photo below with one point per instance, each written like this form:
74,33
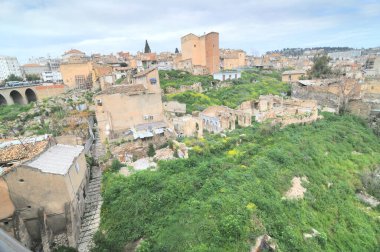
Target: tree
13,77
321,68
151,152
123,64
176,50
147,48
32,77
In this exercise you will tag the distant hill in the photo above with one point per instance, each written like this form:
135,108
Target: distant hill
300,51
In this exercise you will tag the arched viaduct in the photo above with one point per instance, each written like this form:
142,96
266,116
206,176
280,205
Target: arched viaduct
28,94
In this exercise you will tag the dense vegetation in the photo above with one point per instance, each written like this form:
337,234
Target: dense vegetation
231,190
176,78
249,87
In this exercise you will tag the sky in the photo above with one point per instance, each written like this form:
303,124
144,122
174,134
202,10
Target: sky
34,28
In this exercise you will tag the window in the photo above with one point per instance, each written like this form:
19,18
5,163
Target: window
80,81
77,167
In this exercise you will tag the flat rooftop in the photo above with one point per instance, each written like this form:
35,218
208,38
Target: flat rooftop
57,159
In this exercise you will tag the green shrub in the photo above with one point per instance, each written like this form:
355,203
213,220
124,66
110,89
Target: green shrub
151,152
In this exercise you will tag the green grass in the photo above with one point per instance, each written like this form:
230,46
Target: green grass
176,78
231,190
10,112
194,101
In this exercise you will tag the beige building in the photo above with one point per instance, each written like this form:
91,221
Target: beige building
78,75
42,191
293,76
232,59
203,51
73,55
127,109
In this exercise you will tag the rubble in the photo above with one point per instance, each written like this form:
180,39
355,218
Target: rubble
264,243
313,234
297,190
368,199
143,164
164,154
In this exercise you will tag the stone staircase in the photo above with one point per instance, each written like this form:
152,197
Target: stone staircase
91,217
93,201
98,150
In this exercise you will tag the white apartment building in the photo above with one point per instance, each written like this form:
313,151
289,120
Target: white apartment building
51,76
8,66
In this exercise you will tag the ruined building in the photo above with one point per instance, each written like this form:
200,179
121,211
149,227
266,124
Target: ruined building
281,111
131,109
216,119
332,95
42,188
367,105
188,126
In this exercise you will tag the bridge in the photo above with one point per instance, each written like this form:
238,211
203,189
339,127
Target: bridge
28,94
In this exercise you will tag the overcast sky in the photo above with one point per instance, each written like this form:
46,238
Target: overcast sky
41,27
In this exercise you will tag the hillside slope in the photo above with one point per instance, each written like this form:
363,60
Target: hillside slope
231,190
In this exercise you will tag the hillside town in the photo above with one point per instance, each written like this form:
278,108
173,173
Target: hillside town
86,138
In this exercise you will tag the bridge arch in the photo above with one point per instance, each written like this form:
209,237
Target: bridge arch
30,95
3,101
16,97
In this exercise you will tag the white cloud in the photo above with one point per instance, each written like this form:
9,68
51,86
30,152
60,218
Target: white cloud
34,28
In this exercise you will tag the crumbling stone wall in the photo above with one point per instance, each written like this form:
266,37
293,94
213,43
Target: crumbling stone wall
196,87
21,232
321,94
218,118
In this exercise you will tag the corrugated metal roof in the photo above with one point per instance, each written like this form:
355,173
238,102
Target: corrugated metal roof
158,131
57,159
142,134
149,126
